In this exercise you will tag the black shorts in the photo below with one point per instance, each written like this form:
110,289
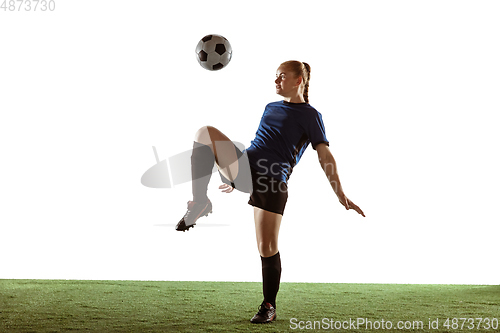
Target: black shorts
266,192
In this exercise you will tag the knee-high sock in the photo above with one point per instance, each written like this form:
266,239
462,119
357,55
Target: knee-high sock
271,274
202,164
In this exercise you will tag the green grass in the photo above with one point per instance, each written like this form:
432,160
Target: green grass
132,306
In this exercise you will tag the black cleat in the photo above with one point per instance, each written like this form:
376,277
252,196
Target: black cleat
195,211
266,314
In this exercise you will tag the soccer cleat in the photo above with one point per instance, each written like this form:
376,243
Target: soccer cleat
195,211
266,314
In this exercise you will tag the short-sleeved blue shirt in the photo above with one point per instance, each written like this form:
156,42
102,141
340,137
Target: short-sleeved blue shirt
284,133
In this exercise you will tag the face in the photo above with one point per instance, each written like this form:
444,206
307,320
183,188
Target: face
286,83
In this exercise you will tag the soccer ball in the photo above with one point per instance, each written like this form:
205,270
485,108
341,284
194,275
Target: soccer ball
213,52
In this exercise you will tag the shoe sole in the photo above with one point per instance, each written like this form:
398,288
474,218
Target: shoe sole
192,225
264,322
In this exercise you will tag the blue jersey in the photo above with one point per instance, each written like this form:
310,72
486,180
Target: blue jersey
284,133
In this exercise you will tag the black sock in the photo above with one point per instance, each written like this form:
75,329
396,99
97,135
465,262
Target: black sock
202,164
271,274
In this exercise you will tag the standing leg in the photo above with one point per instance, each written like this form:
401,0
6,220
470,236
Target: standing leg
267,225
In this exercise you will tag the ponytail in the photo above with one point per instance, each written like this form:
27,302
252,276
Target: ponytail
306,77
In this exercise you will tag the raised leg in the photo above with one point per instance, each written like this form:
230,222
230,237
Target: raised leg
222,148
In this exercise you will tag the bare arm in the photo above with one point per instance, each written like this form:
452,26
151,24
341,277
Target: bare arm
329,166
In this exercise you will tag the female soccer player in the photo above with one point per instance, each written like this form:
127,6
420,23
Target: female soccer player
285,131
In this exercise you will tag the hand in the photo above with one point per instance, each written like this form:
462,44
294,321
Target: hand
348,204
226,188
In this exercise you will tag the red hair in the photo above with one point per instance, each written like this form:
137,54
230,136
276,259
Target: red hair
302,69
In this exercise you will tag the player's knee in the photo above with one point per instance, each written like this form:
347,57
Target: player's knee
203,135
267,249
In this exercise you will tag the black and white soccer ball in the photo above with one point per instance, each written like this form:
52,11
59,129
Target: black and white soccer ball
213,52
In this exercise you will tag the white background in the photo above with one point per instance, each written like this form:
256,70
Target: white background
408,90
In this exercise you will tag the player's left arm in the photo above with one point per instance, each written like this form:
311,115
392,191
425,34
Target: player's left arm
329,166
